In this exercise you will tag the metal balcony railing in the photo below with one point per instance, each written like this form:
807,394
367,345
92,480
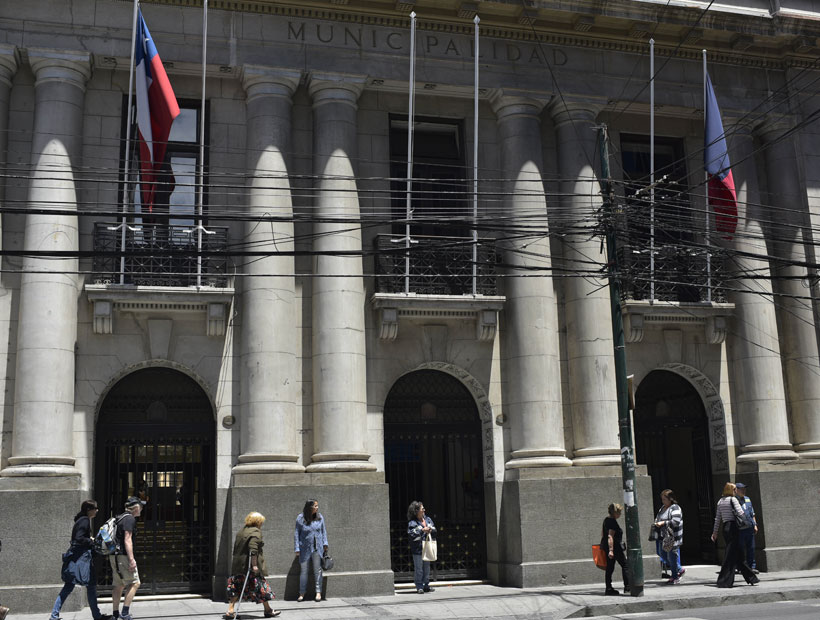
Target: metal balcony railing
159,255
438,265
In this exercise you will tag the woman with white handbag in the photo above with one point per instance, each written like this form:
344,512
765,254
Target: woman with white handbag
422,535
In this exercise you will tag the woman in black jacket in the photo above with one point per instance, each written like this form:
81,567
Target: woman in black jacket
611,539
78,566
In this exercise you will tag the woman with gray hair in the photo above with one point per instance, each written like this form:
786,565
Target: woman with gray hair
419,525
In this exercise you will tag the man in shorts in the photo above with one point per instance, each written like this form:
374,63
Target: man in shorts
123,563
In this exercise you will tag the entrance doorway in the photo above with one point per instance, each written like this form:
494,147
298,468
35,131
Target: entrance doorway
155,440
433,453
672,440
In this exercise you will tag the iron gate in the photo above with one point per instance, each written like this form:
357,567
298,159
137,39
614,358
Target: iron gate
158,444
433,453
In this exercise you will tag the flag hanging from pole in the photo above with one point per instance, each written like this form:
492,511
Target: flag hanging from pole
722,195
156,110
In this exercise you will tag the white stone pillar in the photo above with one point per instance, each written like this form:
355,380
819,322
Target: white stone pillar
270,369
8,67
49,288
590,353
798,335
758,393
532,371
339,371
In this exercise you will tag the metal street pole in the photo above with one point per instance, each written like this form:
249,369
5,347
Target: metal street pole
634,555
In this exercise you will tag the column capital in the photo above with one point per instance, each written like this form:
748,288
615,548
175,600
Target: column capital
50,65
510,103
567,110
8,63
262,81
772,128
335,88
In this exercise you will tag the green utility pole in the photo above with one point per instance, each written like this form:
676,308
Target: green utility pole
634,556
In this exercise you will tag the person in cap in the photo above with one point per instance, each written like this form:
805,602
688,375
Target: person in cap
123,563
747,534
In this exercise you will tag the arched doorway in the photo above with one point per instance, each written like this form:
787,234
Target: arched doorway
433,453
155,439
672,440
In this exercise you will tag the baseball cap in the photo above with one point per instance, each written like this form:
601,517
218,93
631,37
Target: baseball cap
740,485
133,501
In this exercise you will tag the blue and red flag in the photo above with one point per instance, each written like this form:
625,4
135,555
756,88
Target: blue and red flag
722,194
156,110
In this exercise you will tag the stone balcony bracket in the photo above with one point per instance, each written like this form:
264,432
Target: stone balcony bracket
394,308
159,301
712,318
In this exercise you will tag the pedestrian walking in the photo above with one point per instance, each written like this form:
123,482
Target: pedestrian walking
248,569
78,563
419,527
748,533
612,544
310,544
123,563
729,513
669,522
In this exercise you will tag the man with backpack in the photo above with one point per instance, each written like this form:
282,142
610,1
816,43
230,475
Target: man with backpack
123,563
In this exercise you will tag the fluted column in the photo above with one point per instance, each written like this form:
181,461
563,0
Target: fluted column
758,392
47,325
798,335
530,320
590,354
8,67
270,440
339,371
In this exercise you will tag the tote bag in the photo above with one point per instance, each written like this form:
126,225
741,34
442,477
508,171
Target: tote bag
429,549
599,556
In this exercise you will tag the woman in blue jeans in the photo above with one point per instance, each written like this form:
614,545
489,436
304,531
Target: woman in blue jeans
78,562
310,543
418,526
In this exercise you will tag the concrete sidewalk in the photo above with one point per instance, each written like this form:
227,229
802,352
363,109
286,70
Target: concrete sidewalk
697,590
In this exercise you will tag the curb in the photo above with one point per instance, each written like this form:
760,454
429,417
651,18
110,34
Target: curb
697,602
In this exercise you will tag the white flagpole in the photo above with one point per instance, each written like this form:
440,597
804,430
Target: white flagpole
201,166
706,185
124,224
476,20
651,170
410,122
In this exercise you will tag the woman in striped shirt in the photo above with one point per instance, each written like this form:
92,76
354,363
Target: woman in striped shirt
728,512
670,515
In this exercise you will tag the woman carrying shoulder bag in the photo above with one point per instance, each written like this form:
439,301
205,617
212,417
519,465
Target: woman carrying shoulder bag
310,542
419,526
729,512
611,543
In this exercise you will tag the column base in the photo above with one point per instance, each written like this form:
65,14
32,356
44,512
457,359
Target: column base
808,450
340,461
40,467
587,460
766,453
537,461
266,467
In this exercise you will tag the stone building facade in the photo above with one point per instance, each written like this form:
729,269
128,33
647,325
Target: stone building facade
299,362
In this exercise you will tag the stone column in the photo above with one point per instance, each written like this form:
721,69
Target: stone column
758,393
798,335
49,288
8,67
339,373
270,440
590,353
530,321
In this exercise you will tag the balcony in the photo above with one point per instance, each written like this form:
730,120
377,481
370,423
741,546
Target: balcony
159,255
438,265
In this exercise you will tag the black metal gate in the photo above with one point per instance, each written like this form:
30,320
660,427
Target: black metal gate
433,453
155,440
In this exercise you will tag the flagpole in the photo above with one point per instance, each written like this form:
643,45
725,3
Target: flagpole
706,185
410,122
651,170
124,224
476,20
201,175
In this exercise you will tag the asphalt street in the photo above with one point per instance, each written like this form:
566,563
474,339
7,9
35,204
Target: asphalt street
784,610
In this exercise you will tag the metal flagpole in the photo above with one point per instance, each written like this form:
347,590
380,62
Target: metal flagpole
476,20
706,185
651,170
201,171
410,122
124,224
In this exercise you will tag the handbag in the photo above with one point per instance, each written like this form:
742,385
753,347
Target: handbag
741,519
429,549
668,539
599,556
327,561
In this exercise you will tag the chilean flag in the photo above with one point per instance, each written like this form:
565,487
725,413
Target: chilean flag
722,195
156,110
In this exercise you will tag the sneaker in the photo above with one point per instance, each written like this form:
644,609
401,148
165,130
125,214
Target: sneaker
611,592
681,572
126,617
419,591
673,581
429,589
